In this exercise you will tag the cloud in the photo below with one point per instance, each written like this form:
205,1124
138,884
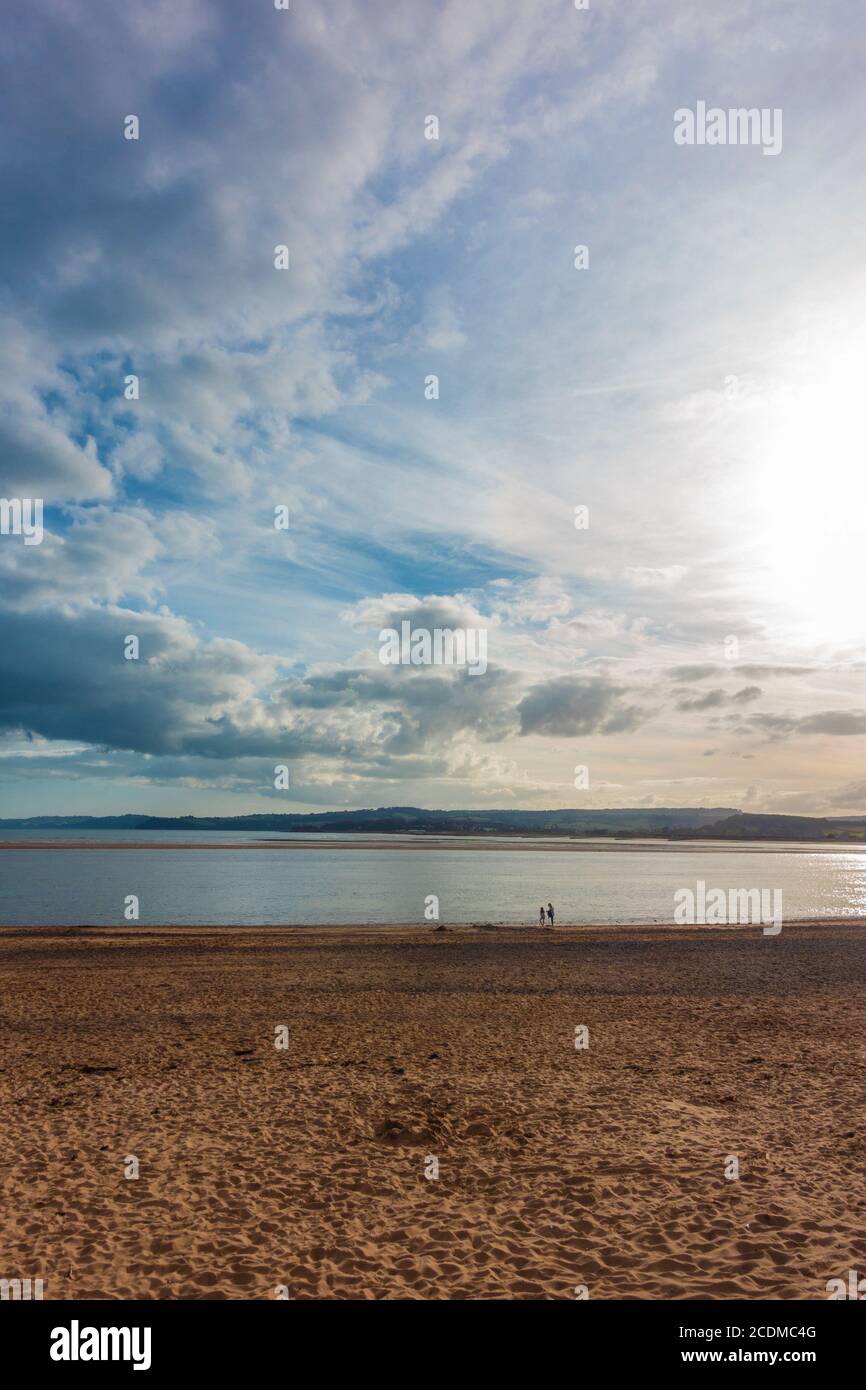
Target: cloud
852,795
100,556
711,700
217,701
834,723
64,676
695,673
759,672
689,674
644,577
569,707
838,723
440,329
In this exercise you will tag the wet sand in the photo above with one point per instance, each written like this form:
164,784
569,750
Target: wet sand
303,1170
461,843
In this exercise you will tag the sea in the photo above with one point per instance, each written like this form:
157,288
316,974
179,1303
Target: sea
264,880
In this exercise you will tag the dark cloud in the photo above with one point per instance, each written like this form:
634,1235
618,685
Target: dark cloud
568,707
836,723
711,700
64,677
689,674
753,672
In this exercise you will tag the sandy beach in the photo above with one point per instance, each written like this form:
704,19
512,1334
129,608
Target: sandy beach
303,1169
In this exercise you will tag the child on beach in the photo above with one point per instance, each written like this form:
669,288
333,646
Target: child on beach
541,916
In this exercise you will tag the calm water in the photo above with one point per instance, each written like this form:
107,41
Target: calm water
270,886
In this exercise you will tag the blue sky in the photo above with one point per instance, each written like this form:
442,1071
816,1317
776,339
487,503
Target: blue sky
698,386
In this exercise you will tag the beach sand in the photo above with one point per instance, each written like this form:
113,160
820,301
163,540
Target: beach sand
558,1168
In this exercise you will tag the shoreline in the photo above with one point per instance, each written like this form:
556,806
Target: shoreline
464,844
524,931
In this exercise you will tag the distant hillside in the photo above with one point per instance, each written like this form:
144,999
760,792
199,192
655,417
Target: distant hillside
743,826
397,819
715,822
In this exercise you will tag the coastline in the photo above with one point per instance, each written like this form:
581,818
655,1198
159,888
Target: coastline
464,843
528,931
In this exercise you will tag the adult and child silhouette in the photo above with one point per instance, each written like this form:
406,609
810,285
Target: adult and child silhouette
549,914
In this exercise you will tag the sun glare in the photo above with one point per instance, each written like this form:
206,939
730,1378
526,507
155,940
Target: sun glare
809,493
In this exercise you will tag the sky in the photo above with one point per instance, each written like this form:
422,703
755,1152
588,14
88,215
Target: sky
694,379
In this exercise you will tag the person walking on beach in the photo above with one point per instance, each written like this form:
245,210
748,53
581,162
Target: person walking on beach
549,913
541,916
